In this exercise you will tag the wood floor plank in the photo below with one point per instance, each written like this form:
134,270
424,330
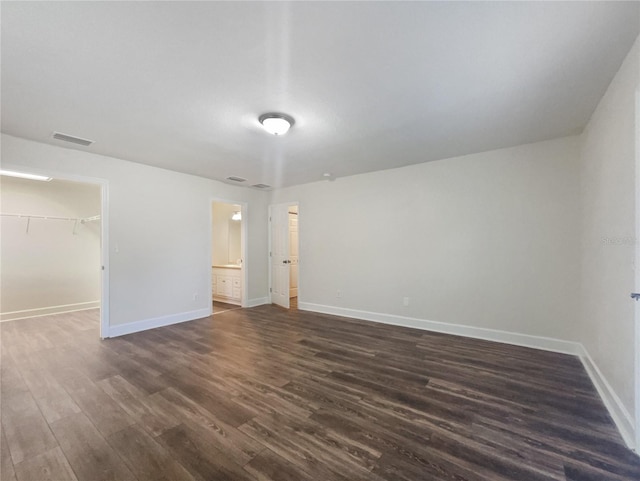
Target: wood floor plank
51,465
103,411
138,405
88,453
11,380
268,466
209,396
225,438
316,452
145,457
197,452
7,472
26,431
52,399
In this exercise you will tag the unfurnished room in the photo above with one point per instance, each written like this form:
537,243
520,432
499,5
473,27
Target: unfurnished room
319,240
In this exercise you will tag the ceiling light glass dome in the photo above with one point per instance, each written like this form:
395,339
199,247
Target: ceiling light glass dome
276,123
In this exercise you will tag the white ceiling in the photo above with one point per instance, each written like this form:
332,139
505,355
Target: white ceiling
371,85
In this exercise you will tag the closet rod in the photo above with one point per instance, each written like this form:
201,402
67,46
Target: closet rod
52,217
77,220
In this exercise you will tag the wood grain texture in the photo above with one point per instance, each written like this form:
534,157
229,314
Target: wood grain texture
146,458
51,465
281,395
88,453
7,473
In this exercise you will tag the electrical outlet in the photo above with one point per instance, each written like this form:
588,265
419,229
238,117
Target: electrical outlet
405,301
195,296
338,293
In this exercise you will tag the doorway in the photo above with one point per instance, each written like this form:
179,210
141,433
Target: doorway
228,286
284,254
293,256
54,247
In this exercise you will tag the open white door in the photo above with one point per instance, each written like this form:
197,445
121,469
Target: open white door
280,262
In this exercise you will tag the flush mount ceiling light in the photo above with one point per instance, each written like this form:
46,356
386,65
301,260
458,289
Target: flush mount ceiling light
275,123
237,215
23,175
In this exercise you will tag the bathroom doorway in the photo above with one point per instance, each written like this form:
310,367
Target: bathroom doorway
228,287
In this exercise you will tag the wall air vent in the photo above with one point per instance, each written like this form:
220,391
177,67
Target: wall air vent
261,186
72,139
236,179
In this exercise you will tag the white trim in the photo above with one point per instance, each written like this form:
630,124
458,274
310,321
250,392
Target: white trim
614,405
269,252
137,326
536,342
637,274
300,217
45,311
244,248
258,301
104,260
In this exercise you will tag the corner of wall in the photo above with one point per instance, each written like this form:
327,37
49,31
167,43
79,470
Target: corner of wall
621,417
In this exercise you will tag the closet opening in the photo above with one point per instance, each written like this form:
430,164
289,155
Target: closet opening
52,251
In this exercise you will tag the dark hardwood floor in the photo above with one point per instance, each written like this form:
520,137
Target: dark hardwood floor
270,394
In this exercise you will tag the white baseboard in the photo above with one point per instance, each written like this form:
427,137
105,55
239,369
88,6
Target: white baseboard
258,301
536,342
614,405
131,327
45,311
620,415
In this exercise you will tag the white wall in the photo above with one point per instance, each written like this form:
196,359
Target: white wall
159,230
608,170
489,240
48,268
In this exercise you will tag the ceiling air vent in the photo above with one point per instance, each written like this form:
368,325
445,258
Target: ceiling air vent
261,186
236,179
72,139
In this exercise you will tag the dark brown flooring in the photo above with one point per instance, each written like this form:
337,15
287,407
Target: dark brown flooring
270,394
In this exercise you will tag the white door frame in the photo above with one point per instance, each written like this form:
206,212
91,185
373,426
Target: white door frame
288,204
244,236
104,230
637,276
297,264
